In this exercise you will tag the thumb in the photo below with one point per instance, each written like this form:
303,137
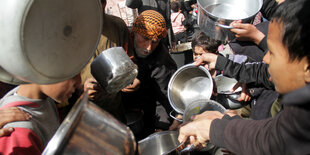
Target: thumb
6,131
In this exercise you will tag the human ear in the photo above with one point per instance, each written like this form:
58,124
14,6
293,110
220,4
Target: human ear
307,72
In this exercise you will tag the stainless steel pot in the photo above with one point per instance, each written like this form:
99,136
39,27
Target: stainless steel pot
201,106
8,78
88,129
215,16
159,143
224,95
188,84
44,41
113,69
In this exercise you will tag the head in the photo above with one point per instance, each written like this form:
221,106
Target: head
148,29
289,55
175,6
62,91
201,43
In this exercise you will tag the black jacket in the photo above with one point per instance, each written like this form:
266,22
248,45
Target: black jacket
286,133
252,74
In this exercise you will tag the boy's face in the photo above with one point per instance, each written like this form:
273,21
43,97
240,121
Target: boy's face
198,51
62,91
286,75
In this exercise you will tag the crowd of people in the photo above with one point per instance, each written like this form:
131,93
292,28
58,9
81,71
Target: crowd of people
269,58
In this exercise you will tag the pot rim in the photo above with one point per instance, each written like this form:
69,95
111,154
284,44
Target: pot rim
227,19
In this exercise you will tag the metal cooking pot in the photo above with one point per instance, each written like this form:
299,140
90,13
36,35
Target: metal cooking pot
199,107
215,16
44,41
88,129
8,78
228,99
159,143
113,69
188,84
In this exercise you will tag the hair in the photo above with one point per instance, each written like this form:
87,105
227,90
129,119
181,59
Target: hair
175,6
204,41
294,15
103,1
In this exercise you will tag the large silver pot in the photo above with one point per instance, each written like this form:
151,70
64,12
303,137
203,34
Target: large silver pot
113,69
188,84
48,41
215,16
88,129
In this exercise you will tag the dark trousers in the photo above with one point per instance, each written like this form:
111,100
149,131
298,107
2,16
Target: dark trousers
182,37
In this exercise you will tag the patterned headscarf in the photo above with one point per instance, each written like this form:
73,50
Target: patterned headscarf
150,24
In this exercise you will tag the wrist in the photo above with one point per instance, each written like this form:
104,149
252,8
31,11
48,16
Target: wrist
258,37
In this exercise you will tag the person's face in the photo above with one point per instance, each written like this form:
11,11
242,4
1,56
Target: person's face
287,75
144,46
62,91
198,51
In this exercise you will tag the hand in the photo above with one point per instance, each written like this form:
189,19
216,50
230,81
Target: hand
198,130
93,89
231,113
11,114
132,87
208,60
246,32
245,95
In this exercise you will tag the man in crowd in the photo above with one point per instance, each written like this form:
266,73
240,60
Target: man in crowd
155,68
289,67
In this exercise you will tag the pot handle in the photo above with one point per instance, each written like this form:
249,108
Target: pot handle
224,26
170,114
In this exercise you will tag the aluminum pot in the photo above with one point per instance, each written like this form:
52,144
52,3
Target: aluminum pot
44,41
224,95
8,78
199,107
188,84
88,129
113,69
215,16
159,143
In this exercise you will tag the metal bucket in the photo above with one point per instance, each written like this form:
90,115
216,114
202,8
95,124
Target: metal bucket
90,130
113,69
44,41
188,84
215,16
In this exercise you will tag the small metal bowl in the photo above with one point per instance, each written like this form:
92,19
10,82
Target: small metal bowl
188,84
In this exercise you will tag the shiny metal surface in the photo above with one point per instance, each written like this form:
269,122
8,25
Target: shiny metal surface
159,143
215,16
225,84
8,78
45,41
188,84
201,106
225,97
88,129
113,69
